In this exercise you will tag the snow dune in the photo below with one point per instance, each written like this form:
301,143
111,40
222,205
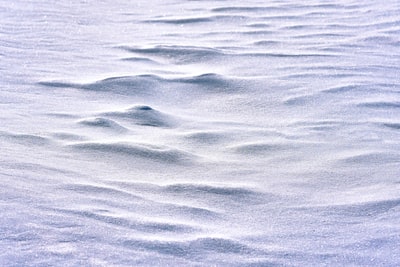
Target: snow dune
199,133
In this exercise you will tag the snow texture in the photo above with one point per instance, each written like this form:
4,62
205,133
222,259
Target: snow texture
199,133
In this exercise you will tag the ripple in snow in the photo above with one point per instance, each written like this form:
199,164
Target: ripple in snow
144,115
103,123
143,151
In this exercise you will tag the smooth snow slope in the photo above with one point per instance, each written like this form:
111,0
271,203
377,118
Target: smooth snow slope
199,133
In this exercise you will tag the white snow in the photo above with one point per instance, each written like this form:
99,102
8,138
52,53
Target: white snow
199,133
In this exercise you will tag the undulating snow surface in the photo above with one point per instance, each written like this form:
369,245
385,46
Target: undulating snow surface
199,133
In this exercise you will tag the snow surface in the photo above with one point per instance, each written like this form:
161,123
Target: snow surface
199,133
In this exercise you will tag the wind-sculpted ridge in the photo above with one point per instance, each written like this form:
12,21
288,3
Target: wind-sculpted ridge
140,151
147,86
179,54
103,123
143,115
134,85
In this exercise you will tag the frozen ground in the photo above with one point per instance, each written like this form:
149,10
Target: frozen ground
199,133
